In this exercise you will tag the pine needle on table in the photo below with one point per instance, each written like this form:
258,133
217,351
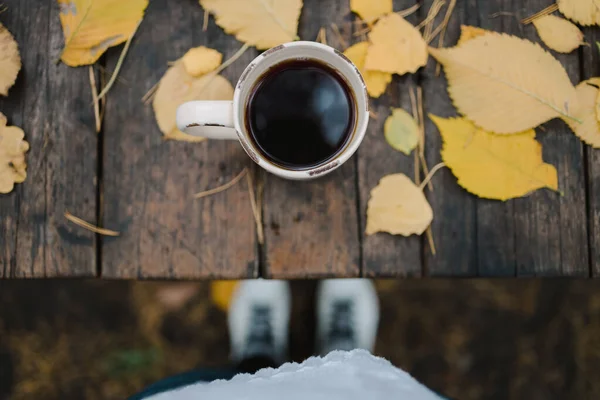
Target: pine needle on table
255,211
95,99
205,21
548,10
115,73
408,11
338,35
221,188
86,225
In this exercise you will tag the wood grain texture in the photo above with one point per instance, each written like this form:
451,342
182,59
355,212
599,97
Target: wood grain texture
454,225
384,254
311,228
148,182
550,229
590,67
52,103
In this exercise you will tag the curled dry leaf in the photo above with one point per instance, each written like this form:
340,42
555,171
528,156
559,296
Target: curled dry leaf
589,129
494,166
396,46
10,60
468,32
260,23
398,206
401,131
91,27
13,168
370,10
176,87
201,60
376,81
584,12
558,33
506,84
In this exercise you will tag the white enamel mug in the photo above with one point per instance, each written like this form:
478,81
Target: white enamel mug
226,119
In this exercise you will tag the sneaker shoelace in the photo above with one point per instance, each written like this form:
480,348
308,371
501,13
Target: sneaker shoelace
341,331
260,338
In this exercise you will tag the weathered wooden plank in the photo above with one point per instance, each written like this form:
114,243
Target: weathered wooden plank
52,103
590,67
311,228
384,254
148,182
454,226
550,229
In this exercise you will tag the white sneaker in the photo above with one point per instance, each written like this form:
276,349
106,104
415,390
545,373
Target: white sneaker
258,320
347,315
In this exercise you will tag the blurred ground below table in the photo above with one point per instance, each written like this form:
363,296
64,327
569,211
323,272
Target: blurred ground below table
484,339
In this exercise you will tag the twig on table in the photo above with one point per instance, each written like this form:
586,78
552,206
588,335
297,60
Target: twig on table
408,11
205,21
430,175
95,99
415,113
430,239
257,214
339,36
322,36
221,188
115,73
88,226
548,10
422,133
443,26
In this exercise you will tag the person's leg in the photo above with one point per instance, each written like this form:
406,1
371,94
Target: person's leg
347,315
258,320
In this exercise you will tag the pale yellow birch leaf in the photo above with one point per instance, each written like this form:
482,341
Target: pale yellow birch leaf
589,129
370,10
92,26
506,84
376,81
468,32
176,87
584,12
494,166
10,60
395,46
397,206
558,33
401,131
201,60
260,23
13,168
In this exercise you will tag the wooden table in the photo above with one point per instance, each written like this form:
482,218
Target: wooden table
129,179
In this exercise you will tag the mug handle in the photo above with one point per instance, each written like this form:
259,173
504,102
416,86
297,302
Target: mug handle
210,119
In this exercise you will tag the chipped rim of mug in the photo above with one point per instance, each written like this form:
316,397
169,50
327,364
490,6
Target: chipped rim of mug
327,166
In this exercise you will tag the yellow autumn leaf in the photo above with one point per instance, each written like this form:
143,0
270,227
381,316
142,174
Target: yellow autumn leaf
221,293
13,168
92,26
398,206
506,84
260,23
201,60
401,131
396,46
494,166
589,128
176,87
10,60
558,33
584,12
468,32
376,81
370,10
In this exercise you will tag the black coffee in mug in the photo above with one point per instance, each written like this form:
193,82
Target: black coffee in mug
300,114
